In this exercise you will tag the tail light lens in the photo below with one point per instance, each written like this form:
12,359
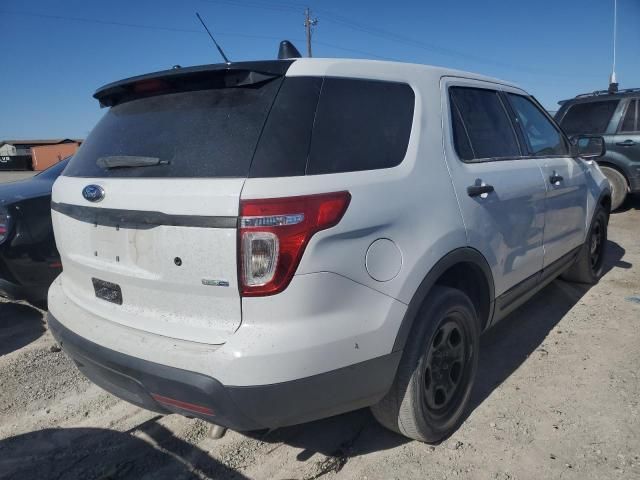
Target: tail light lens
273,234
5,224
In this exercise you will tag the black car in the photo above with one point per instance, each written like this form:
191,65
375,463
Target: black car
29,260
615,115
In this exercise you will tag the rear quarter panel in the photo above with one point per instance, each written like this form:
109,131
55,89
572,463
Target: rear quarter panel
413,204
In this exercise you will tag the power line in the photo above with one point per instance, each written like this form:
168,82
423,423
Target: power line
99,21
387,35
179,30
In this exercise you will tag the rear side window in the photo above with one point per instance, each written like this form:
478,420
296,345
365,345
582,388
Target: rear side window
460,136
588,118
205,133
486,123
360,125
630,120
284,145
542,137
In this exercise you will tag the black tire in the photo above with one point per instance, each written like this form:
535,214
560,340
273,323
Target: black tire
619,186
434,379
589,265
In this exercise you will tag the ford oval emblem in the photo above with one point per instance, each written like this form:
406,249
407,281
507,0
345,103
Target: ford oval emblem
93,193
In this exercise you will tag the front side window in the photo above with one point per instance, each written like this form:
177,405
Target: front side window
542,137
588,118
630,120
487,125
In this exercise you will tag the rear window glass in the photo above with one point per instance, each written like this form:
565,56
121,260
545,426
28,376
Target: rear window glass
486,123
296,126
360,125
206,133
588,118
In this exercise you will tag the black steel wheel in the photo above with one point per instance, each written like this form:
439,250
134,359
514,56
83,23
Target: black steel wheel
447,357
434,380
589,264
596,244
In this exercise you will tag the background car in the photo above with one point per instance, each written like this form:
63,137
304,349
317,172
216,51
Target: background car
613,115
29,260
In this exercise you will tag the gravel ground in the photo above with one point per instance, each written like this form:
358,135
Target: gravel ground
556,397
6,176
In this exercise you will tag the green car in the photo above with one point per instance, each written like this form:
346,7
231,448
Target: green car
614,116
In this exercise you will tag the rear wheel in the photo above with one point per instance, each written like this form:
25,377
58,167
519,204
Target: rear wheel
434,380
589,265
618,184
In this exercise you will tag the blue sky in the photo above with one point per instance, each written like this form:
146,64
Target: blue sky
56,53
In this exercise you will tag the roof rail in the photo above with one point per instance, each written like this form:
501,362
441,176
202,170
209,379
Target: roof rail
607,92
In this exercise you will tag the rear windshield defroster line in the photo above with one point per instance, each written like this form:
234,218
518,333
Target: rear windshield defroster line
140,219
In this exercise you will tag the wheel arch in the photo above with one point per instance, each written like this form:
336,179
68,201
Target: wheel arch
605,201
465,269
614,166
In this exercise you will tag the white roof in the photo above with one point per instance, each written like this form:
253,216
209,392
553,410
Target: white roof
378,69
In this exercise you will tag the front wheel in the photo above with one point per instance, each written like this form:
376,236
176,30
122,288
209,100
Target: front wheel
435,376
618,184
589,265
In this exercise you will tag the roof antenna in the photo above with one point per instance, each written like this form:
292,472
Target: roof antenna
613,83
226,60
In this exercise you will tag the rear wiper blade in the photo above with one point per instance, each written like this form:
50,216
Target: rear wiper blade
129,161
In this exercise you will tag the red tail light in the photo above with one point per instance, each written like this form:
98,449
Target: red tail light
5,224
273,234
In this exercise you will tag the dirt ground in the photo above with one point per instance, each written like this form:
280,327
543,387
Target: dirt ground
556,397
7,176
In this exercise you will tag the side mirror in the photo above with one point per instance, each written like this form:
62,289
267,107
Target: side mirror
588,146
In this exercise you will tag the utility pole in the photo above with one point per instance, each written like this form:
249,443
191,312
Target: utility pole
309,23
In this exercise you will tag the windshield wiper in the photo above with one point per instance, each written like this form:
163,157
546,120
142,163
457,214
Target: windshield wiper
129,161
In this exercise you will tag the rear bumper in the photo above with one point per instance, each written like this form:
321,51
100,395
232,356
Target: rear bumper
14,291
168,389
10,290
23,278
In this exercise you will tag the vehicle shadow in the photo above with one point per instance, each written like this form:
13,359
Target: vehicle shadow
503,349
20,324
148,451
339,438
508,344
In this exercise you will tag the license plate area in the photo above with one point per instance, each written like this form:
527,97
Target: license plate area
108,291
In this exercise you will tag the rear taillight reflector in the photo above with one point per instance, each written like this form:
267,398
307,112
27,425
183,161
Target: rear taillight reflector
189,407
273,234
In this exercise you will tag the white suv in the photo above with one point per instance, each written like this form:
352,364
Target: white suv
266,243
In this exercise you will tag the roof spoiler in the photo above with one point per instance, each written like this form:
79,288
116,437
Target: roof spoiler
204,77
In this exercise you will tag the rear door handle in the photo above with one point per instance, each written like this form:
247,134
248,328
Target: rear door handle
626,143
477,190
555,178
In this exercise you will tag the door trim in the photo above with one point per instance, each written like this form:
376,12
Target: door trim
523,291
